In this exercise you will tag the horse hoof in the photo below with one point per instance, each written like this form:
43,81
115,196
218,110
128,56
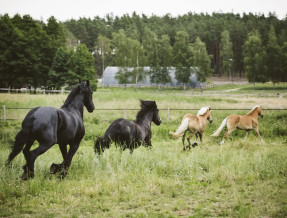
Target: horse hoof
24,177
27,175
62,176
54,168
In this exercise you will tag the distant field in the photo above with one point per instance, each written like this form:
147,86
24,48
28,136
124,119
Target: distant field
238,179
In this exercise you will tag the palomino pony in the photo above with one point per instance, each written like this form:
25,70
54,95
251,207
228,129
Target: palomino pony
51,126
131,134
194,124
244,122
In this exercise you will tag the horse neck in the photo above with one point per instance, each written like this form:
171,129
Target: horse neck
75,102
202,120
145,120
253,113
203,117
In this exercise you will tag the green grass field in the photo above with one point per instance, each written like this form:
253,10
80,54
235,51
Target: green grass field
238,179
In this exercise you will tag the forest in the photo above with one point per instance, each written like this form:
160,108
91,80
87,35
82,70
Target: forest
53,54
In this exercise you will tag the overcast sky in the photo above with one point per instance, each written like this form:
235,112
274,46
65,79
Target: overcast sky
66,9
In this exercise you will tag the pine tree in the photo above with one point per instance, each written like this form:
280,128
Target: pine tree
254,57
226,53
201,60
183,57
273,61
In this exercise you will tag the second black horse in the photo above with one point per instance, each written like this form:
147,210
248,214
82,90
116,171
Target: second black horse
131,134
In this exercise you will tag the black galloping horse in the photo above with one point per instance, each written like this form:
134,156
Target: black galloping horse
51,126
131,134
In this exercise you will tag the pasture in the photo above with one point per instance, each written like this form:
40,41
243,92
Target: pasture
239,179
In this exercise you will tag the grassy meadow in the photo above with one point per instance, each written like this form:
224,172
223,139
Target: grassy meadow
239,179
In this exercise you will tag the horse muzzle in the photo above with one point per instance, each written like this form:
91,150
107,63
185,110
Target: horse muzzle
91,109
210,121
261,115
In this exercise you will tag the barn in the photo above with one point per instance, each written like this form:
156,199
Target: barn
110,73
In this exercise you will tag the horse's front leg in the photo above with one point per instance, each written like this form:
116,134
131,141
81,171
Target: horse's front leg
195,142
257,131
67,162
58,167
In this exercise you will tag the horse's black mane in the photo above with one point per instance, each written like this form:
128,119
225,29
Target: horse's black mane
71,96
146,106
75,91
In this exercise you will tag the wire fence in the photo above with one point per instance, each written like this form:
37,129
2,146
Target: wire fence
125,110
39,91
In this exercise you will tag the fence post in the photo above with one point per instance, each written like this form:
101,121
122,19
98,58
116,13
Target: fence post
167,113
4,113
125,113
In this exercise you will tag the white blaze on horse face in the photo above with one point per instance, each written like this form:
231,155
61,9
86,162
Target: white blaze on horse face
129,129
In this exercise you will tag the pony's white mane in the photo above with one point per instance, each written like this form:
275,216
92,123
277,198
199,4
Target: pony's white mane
202,111
256,106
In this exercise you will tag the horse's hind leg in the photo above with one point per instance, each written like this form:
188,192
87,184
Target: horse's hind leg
26,151
183,139
246,134
31,156
188,139
226,134
57,167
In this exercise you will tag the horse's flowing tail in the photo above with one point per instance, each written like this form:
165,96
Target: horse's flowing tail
218,131
181,129
20,141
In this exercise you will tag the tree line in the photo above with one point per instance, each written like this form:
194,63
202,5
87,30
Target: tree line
54,54
38,54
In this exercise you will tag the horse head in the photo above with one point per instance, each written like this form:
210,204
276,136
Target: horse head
209,114
88,95
151,105
206,112
156,118
99,145
259,110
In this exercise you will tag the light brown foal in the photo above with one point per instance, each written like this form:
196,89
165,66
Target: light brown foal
194,124
244,122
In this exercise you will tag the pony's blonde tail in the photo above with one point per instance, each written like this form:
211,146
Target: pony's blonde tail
218,131
181,129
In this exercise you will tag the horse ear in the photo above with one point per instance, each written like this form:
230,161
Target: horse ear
88,83
155,104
